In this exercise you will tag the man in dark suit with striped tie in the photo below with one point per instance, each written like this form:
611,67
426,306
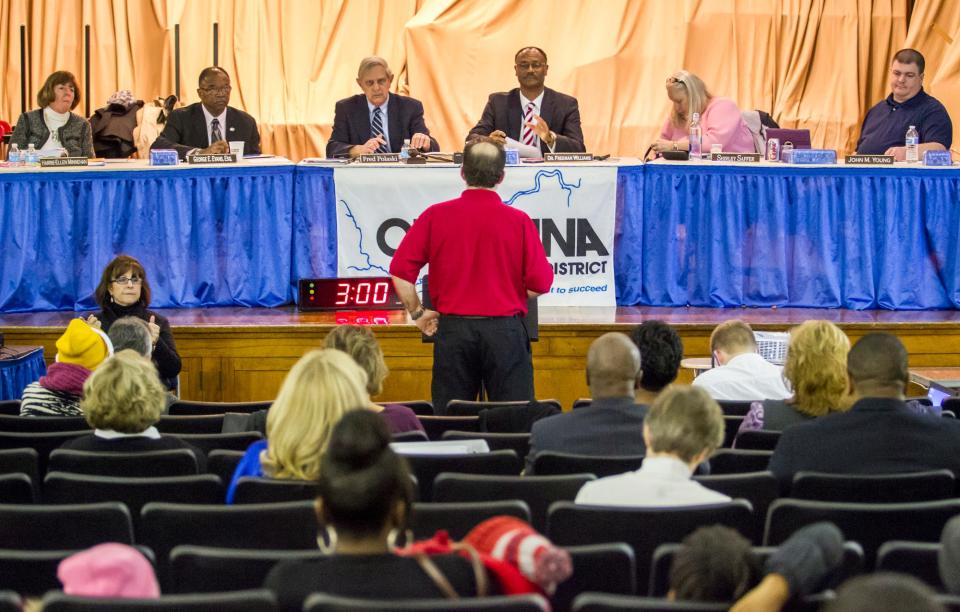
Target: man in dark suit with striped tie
377,121
532,114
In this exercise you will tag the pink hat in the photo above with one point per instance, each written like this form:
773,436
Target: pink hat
108,570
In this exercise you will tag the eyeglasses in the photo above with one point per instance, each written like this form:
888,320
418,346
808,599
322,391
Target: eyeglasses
533,65
123,280
217,90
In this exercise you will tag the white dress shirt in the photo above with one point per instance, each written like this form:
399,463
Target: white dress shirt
222,118
747,376
659,483
383,119
536,110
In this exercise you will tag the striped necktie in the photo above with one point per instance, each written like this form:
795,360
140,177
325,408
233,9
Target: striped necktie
376,129
215,135
527,135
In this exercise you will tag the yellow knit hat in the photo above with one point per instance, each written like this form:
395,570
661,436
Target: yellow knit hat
83,345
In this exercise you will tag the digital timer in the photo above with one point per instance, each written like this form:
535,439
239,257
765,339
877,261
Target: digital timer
365,293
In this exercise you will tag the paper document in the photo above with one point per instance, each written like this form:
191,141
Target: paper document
524,150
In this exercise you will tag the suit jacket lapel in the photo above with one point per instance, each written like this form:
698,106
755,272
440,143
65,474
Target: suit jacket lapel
546,112
393,124
361,119
514,112
199,122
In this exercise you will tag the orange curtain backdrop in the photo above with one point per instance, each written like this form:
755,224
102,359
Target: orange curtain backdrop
813,64
935,32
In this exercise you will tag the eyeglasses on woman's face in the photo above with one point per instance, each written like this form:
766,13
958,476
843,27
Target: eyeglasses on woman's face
124,280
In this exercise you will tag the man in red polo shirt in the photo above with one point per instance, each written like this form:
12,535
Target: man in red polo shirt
485,260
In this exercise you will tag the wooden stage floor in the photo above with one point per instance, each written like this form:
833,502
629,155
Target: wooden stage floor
242,354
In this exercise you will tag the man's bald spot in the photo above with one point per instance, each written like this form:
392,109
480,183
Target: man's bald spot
613,357
483,152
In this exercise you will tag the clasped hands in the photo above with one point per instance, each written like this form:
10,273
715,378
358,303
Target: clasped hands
417,141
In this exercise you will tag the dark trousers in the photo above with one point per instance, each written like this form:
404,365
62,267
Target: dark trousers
494,351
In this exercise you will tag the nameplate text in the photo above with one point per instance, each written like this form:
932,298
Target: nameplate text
568,157
750,158
937,158
868,160
61,162
380,158
212,158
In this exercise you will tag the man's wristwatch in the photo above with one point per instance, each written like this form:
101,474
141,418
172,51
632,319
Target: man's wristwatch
553,138
416,314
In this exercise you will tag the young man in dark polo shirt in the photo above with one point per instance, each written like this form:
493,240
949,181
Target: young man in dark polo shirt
885,127
485,260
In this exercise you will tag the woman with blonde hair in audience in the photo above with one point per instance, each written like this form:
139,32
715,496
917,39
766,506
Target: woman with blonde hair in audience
123,400
720,120
816,368
360,343
320,388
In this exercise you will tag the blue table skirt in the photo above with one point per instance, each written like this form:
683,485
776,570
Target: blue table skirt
707,236
15,374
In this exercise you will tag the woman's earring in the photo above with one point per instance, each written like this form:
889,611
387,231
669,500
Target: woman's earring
329,545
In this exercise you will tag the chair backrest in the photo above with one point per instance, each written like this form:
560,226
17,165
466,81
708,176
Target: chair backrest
34,572
597,568
252,490
11,407
874,488
460,517
175,462
473,408
22,424
282,526
919,559
223,463
869,524
642,528
202,569
42,442
736,461
731,425
10,602
602,602
517,442
952,404
426,467
538,492
322,602
183,407
17,488
190,424
22,461
414,435
419,407
68,527
759,488
735,407
259,600
229,441
435,426
850,566
757,439
548,463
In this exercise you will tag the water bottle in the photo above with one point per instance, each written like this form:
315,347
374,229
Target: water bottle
913,145
696,137
32,158
405,149
14,156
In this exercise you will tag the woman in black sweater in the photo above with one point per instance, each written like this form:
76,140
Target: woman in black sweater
124,292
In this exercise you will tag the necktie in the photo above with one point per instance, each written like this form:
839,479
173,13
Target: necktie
215,135
376,128
527,135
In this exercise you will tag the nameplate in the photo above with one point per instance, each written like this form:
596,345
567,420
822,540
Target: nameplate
809,156
164,157
868,160
380,158
568,157
212,158
937,158
750,158
61,162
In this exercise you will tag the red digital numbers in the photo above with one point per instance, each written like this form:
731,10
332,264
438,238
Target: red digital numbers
363,294
343,294
380,292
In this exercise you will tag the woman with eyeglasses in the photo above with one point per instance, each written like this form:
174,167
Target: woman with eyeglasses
52,127
720,119
124,292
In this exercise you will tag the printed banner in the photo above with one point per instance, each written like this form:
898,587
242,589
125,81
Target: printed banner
573,207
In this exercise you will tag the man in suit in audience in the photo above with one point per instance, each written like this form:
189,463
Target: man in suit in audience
532,114
208,126
613,423
879,434
741,373
377,121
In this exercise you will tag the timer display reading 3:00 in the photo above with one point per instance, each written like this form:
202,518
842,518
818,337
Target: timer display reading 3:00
367,293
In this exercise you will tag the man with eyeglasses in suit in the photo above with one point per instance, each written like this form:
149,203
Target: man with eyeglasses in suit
532,114
208,126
